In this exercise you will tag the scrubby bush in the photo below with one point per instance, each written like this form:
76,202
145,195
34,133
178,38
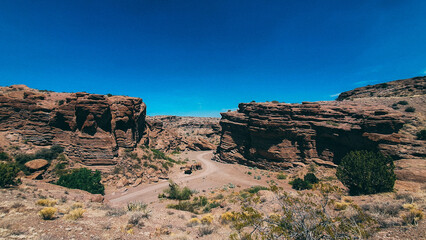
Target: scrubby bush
365,172
4,156
207,219
255,189
301,216
300,184
75,214
49,154
175,192
306,183
8,174
136,206
46,202
205,230
193,222
421,135
115,212
190,206
47,213
281,176
83,179
136,220
402,103
310,178
226,217
77,205
413,216
410,109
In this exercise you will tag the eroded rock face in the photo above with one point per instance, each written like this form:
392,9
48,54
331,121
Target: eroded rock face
169,133
91,127
279,135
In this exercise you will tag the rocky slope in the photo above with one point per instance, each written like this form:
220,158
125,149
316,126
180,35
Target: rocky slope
399,88
91,127
279,135
170,133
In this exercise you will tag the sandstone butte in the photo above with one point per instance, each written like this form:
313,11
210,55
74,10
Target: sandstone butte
91,127
280,136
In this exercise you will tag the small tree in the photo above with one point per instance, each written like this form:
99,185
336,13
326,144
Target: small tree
8,174
365,172
83,179
421,135
311,178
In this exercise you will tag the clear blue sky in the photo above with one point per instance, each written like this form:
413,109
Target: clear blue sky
199,58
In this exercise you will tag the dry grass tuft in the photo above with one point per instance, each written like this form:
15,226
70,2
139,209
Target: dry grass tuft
75,214
48,213
46,202
207,219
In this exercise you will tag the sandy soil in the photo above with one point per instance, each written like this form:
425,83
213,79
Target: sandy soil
213,175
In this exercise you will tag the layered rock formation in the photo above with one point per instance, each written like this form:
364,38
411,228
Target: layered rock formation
399,88
279,135
169,133
91,127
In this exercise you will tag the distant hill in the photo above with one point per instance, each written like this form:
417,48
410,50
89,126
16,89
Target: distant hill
399,88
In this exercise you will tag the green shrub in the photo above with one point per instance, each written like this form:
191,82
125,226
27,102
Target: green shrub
300,184
281,176
421,135
8,174
49,154
175,192
410,109
4,156
402,103
22,158
310,178
83,179
365,172
256,189
195,205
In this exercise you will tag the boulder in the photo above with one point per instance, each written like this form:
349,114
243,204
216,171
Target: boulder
97,198
36,164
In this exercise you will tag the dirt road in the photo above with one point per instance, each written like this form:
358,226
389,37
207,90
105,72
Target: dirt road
213,175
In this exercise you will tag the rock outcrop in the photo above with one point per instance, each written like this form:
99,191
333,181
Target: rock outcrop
399,88
170,133
91,127
36,164
279,135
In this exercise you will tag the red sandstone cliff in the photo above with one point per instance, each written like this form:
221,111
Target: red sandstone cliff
91,127
279,135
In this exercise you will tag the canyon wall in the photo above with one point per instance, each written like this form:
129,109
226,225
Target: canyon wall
91,127
171,133
279,135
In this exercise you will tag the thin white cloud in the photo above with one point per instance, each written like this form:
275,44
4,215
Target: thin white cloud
424,72
364,83
334,95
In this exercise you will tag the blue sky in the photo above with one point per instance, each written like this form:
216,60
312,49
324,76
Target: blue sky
199,58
